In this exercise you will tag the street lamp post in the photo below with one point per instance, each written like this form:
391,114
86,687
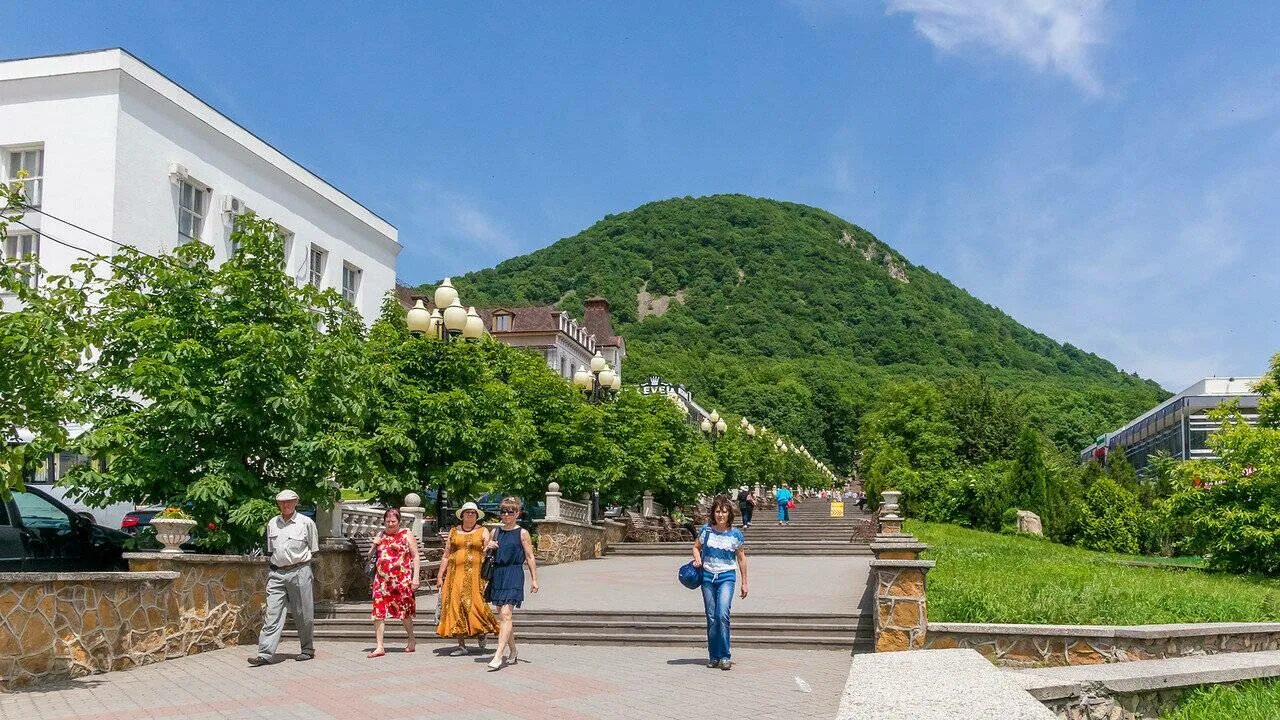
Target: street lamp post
600,382
713,425
452,323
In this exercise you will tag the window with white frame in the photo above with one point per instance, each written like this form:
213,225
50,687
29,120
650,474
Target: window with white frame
287,238
25,247
315,266
350,282
27,165
502,322
193,202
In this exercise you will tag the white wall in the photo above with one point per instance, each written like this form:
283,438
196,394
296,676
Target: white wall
75,117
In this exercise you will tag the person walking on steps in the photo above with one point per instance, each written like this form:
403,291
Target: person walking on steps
463,611
512,549
746,504
291,541
395,582
718,551
785,497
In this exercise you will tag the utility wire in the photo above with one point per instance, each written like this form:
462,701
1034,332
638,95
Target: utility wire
86,230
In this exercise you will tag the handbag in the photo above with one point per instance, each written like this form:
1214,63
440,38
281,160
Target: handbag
371,564
791,504
486,565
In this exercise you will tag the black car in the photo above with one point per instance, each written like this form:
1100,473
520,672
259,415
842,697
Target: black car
39,533
134,520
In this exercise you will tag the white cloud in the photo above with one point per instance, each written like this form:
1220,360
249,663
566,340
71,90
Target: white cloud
1050,35
452,231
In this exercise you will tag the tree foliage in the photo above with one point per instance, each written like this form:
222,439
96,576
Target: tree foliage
40,356
213,388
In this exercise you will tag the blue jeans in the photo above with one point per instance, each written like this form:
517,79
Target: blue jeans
717,597
783,514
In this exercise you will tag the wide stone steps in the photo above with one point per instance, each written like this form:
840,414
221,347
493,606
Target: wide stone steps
752,547
572,627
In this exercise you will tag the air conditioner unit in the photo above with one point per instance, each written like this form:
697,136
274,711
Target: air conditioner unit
233,205
178,172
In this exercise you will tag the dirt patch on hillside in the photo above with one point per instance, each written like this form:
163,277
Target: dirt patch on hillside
658,305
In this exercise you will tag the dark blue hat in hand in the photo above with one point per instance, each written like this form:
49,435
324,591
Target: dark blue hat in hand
690,576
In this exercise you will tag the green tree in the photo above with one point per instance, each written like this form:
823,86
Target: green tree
1029,478
215,388
42,336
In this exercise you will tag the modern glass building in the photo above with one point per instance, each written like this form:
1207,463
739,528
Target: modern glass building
1180,425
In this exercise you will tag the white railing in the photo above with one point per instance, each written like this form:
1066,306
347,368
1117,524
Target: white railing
573,512
361,521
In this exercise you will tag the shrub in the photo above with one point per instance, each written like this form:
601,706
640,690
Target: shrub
1111,520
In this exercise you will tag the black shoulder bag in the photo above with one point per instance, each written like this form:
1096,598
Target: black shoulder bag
490,559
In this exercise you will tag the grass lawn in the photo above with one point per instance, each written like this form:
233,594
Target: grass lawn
991,578
1254,700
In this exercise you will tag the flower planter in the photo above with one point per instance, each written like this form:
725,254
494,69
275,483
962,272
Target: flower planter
172,532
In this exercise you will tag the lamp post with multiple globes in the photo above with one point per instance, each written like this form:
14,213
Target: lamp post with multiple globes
600,382
455,322
451,323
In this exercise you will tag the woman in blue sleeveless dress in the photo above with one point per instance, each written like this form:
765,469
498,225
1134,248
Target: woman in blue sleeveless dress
513,550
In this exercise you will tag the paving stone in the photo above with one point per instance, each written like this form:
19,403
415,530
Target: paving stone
561,682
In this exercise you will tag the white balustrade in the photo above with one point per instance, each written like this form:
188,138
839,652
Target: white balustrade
579,513
361,521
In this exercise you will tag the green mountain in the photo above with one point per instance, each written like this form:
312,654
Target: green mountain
796,318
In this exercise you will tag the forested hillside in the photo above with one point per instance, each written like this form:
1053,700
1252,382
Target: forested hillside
797,319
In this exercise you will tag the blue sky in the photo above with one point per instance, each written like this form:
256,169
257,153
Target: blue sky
1106,173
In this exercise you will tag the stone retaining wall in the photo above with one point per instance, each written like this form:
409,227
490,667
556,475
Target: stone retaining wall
60,625
1055,645
560,541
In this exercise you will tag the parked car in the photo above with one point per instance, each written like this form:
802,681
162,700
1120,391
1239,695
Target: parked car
40,533
135,520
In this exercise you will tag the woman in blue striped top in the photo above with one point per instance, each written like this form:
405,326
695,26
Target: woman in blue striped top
718,551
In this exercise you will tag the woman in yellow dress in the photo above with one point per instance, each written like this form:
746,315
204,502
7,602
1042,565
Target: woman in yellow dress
463,610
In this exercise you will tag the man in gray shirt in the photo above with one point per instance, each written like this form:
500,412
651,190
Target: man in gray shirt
291,540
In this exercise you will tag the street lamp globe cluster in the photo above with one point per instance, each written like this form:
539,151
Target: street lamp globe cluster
713,425
454,322
599,381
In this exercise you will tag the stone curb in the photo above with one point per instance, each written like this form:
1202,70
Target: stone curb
35,577
200,558
902,563
1142,632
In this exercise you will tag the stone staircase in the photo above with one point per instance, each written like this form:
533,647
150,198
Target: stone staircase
812,531
596,627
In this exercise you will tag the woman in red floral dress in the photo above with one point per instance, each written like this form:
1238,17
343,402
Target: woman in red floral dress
396,582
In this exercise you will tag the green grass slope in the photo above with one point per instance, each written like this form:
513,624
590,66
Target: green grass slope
985,577
794,317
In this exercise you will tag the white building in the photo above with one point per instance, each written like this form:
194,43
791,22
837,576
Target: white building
1180,425
115,147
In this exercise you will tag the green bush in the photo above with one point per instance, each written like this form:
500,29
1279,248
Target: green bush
1111,521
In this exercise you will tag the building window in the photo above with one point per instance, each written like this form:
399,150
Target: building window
350,282
27,166
193,200
501,322
315,266
25,247
287,237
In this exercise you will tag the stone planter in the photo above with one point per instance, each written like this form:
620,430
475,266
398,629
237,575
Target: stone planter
172,532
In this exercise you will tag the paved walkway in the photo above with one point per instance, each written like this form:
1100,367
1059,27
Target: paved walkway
551,681
778,584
